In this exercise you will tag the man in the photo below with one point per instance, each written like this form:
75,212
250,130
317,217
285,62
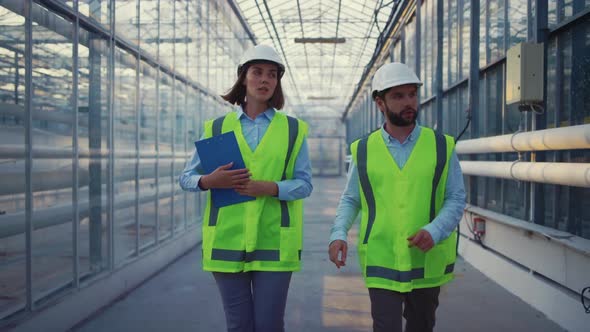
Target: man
407,182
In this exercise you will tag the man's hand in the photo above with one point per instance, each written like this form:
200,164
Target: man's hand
258,188
422,240
338,248
223,177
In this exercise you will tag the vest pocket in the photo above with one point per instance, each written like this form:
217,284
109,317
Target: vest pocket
440,260
289,245
436,261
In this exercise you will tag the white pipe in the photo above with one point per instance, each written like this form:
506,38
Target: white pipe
563,138
567,174
13,224
17,151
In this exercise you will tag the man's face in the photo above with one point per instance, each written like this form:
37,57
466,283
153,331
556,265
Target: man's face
400,105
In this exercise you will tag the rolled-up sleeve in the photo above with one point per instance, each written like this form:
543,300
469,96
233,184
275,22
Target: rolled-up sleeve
189,179
454,202
299,186
348,208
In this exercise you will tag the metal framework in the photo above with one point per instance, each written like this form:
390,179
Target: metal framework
326,45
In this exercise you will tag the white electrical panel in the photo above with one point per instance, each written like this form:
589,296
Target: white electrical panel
524,74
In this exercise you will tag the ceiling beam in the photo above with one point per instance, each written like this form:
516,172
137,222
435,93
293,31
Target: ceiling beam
321,40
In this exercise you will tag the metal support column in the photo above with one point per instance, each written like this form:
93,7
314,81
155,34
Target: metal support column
578,80
16,78
403,45
75,153
417,64
157,208
187,93
539,121
172,127
95,177
439,64
473,87
110,140
137,128
29,151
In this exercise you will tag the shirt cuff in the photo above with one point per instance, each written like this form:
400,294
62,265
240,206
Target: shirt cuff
434,232
283,194
338,235
197,180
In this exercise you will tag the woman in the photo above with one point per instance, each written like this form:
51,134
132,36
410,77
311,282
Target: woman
253,247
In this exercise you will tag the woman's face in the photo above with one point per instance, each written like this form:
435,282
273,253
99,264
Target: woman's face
261,81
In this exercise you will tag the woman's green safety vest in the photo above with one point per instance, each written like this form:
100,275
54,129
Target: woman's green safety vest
263,234
396,204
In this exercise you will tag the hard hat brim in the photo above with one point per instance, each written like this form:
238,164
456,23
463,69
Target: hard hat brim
249,63
375,92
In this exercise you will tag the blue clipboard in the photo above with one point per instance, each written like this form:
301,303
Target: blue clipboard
217,151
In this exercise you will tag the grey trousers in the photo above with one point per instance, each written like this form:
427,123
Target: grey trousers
419,307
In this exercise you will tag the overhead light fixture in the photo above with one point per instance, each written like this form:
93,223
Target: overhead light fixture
330,40
321,97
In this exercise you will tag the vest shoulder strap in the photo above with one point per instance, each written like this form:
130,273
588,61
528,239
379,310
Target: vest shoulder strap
361,159
441,161
293,125
217,125
216,130
293,132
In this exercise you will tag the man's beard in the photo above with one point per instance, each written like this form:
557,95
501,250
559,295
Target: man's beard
398,119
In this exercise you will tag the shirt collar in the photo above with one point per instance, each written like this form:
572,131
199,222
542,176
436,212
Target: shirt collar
412,137
269,113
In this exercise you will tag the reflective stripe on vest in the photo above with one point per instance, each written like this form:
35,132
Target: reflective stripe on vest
293,132
441,160
400,276
365,185
243,256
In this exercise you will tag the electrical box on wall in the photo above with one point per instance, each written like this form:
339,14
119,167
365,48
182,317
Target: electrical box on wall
524,74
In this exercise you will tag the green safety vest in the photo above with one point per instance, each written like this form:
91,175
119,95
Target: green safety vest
396,204
263,234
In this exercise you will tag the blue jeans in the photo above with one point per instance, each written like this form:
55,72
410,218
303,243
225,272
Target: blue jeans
254,301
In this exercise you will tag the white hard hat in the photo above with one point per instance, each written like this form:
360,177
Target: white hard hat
261,53
393,74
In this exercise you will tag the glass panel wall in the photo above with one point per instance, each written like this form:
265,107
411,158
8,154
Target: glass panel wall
179,159
147,146
562,10
131,120
93,129
96,10
12,165
52,179
502,25
125,171
166,177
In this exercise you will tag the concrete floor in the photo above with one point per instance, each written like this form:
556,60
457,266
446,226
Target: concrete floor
321,298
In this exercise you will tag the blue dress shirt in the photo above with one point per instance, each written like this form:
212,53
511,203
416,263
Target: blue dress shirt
445,221
253,130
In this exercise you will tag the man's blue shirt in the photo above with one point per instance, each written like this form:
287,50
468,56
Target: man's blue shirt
442,225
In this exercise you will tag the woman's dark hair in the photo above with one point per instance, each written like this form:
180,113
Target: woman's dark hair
237,94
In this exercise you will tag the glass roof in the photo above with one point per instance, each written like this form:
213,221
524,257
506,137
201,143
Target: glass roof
321,74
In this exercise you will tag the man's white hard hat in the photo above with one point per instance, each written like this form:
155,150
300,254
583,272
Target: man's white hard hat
391,75
261,53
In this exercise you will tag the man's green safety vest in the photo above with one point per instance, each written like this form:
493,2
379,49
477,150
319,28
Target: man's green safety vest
263,234
396,204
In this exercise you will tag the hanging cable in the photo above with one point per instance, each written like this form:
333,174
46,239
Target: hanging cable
586,306
466,125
